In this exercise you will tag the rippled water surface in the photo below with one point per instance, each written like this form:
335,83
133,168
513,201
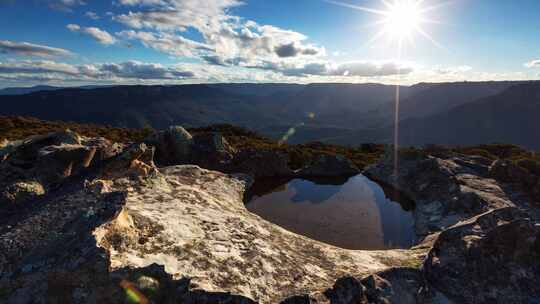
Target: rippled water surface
354,213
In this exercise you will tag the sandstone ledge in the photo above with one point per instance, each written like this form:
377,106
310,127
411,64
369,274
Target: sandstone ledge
193,221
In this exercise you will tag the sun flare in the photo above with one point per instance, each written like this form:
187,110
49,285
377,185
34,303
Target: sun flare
401,20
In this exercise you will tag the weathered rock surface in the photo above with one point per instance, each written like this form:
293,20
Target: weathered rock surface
45,161
193,221
212,150
444,190
19,192
395,285
508,172
262,163
179,234
173,146
490,258
329,165
102,224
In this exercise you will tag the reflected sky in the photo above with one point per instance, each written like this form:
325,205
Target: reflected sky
355,214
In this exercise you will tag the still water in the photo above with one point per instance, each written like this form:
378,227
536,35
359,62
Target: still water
354,213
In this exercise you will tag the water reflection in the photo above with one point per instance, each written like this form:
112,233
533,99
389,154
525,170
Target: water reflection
350,213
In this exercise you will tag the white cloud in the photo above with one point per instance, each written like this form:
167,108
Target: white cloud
141,2
349,69
30,49
65,5
533,64
226,38
139,70
166,42
129,70
92,15
37,67
453,70
99,35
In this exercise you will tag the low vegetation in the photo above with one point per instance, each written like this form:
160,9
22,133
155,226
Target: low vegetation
528,160
21,127
300,154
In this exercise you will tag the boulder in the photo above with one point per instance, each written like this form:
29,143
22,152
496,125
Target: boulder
346,290
51,158
135,161
173,146
329,165
212,151
508,172
527,181
490,258
54,163
21,192
7,148
27,152
397,285
262,163
105,149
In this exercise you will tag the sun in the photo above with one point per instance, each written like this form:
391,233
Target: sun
401,20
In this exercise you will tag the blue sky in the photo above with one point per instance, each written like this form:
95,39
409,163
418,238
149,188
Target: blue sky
76,42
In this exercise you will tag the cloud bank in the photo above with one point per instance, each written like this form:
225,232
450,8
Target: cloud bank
129,70
30,49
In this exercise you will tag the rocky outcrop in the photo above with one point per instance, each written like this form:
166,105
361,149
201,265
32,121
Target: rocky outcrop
396,285
445,190
490,258
19,192
193,221
176,146
329,165
173,146
509,172
102,224
262,163
213,151
40,163
178,234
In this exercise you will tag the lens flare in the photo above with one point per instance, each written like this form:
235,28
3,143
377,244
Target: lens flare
400,19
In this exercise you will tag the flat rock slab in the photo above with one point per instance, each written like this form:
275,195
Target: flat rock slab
193,221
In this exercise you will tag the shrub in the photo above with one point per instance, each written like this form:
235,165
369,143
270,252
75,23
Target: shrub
22,127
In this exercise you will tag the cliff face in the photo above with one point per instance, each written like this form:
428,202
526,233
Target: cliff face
110,227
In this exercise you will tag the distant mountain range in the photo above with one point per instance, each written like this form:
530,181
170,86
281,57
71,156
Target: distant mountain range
446,113
28,90
511,116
